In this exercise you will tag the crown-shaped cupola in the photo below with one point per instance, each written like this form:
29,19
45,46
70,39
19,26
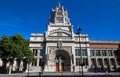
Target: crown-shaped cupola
59,15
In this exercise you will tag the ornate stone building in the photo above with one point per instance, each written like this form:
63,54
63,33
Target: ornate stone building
62,50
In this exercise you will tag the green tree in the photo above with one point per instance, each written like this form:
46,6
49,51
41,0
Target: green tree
14,48
117,54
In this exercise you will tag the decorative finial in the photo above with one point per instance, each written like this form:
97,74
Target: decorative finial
79,29
59,4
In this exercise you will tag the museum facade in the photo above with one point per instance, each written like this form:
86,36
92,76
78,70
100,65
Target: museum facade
60,49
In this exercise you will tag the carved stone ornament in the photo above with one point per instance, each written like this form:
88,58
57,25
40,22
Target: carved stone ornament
59,44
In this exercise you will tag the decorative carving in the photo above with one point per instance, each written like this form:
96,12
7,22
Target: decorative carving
52,54
59,30
59,44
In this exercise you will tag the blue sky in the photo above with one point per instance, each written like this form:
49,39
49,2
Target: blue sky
100,19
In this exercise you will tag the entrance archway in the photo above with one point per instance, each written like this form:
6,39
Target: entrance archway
62,61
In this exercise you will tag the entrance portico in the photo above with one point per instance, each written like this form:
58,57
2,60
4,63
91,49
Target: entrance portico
60,60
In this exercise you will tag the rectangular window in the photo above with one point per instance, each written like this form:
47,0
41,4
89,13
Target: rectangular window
84,52
35,62
85,61
35,51
77,61
92,53
110,53
77,52
39,62
104,52
98,53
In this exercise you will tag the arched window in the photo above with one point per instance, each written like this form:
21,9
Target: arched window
93,62
112,61
99,62
106,62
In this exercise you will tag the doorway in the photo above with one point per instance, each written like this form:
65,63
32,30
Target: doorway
62,61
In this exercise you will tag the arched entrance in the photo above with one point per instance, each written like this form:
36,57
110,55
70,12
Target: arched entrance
62,60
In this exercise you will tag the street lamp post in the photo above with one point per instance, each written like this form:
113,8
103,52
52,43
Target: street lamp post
42,67
81,63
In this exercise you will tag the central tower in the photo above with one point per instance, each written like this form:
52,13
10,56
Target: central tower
59,26
58,34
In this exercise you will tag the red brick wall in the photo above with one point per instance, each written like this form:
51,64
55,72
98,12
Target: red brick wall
104,46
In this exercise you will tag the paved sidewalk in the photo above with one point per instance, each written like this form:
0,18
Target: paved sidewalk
63,74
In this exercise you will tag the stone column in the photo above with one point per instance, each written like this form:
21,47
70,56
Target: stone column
89,58
38,53
96,59
116,63
103,64
109,62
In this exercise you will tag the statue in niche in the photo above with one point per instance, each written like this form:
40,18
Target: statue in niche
59,44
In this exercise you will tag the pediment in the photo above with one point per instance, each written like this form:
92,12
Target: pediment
59,32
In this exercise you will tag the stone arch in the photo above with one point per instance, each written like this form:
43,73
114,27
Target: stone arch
106,62
63,57
93,62
100,63
112,61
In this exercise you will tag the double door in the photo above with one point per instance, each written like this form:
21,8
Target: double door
59,67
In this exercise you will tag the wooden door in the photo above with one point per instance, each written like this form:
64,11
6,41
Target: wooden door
57,67
62,67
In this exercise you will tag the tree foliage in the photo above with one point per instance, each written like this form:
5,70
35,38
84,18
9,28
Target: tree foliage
14,48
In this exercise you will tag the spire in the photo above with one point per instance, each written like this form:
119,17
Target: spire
59,4
79,29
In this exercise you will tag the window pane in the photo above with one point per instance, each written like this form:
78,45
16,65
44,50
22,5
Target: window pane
77,52
110,53
35,52
77,61
98,53
84,52
104,52
92,53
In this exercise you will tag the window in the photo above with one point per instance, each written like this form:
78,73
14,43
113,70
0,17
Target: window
106,62
110,53
85,61
84,52
35,52
77,61
98,53
99,62
40,62
35,62
59,20
104,52
112,61
92,53
93,62
77,52
59,34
